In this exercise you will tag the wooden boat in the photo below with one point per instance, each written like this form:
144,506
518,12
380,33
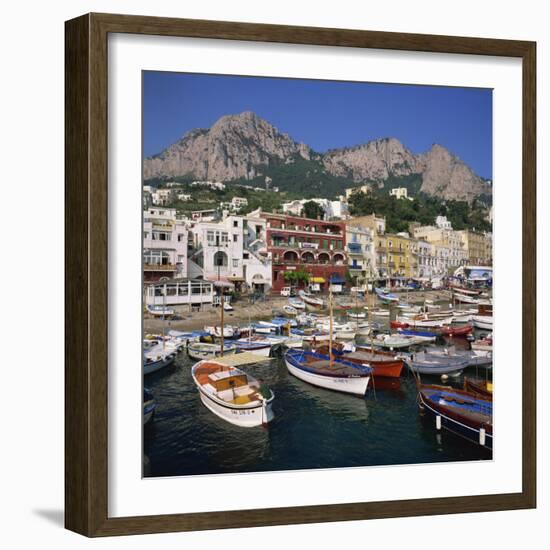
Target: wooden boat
424,335
483,346
425,362
396,341
290,310
458,411
483,388
164,343
257,347
456,331
311,301
386,296
380,312
296,303
153,364
233,395
185,337
228,331
424,321
200,350
356,315
160,311
336,374
310,334
468,291
471,358
484,322
384,364
149,405
464,298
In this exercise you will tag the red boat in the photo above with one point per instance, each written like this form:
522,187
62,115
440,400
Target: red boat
456,331
384,364
483,388
398,324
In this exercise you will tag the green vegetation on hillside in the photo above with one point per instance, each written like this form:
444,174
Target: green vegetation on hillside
301,178
399,213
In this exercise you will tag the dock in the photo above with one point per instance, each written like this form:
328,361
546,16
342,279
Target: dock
242,359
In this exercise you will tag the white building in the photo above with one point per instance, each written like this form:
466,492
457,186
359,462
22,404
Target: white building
443,223
360,249
164,245
400,193
238,202
331,209
442,234
441,260
232,251
425,259
211,184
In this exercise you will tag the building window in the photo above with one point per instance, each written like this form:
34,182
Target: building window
235,238
235,263
220,259
181,237
236,223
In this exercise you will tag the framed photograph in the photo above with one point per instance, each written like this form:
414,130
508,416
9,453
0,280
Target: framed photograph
300,275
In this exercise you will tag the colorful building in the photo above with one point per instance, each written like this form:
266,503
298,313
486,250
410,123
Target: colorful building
476,246
396,255
316,246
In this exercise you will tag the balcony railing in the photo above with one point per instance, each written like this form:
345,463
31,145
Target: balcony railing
159,267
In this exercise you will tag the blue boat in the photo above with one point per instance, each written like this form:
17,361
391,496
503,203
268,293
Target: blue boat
386,296
460,412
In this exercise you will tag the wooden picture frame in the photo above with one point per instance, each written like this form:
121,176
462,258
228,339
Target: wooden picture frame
86,280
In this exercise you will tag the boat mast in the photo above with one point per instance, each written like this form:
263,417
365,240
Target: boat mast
330,325
218,261
163,315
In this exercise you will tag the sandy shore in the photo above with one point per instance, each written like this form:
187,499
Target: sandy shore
244,310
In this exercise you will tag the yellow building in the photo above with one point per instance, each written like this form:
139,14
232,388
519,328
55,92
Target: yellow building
478,247
396,255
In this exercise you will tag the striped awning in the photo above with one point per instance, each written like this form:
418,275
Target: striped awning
317,280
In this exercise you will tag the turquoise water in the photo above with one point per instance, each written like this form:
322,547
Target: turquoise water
313,428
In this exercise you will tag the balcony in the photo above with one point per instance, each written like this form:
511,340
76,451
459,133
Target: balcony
159,267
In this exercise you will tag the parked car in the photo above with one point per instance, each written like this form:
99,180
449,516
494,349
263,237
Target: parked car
288,291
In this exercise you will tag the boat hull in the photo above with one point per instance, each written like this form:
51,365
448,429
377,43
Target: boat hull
355,386
154,366
246,417
483,322
454,423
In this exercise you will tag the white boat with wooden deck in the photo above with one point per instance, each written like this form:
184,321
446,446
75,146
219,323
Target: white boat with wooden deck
233,395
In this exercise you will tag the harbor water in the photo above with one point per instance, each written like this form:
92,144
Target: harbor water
312,428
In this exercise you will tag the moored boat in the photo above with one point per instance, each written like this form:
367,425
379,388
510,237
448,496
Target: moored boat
201,350
456,331
483,388
384,364
233,395
262,348
458,411
160,311
149,405
290,310
425,362
484,322
153,363
333,374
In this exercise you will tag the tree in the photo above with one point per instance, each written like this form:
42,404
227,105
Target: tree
312,210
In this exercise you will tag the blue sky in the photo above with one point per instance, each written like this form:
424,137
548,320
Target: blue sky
324,114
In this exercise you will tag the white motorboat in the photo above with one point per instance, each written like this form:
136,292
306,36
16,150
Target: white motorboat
395,341
260,346
233,395
296,303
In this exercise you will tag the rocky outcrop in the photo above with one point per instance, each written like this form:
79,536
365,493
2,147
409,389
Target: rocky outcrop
446,176
375,160
234,147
